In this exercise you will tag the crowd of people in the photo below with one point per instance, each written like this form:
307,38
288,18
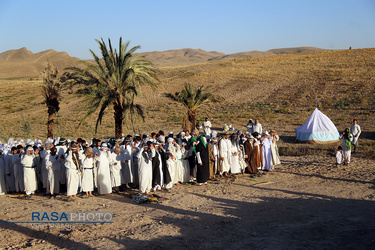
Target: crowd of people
147,162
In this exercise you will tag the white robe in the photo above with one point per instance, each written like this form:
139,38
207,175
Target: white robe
145,172
257,128
73,174
179,175
275,152
171,165
267,157
88,174
115,167
339,157
29,174
104,173
224,152
207,127
235,162
355,129
126,165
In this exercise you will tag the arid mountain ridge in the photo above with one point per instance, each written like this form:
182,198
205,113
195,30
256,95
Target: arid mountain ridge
24,63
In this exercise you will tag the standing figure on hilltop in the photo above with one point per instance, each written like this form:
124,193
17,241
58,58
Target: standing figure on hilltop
347,138
207,127
257,127
250,126
356,131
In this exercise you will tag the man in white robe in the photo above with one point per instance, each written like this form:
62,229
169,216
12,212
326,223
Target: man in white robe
207,127
225,155
126,164
355,129
29,175
235,163
43,154
266,150
88,172
73,170
146,153
257,127
104,173
115,167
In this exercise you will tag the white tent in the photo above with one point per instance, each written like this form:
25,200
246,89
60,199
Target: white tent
317,129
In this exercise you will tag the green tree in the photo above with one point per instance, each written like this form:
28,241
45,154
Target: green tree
51,90
192,98
115,79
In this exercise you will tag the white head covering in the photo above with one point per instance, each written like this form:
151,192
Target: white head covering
266,132
170,139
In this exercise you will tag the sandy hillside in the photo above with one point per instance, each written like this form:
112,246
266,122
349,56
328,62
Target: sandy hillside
305,203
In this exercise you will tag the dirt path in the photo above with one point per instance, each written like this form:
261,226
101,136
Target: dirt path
305,203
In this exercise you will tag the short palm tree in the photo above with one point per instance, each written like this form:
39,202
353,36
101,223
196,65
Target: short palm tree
115,79
51,90
192,98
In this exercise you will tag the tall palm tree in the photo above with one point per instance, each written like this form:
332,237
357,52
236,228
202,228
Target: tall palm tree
115,79
51,90
192,98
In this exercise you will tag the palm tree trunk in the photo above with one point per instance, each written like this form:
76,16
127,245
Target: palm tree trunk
50,124
119,118
191,117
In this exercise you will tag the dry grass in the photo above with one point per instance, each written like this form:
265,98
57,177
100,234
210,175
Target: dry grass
280,90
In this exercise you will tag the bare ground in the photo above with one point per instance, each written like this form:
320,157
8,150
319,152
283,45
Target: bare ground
306,203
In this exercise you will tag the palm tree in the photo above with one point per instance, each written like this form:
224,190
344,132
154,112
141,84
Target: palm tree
115,80
192,98
51,90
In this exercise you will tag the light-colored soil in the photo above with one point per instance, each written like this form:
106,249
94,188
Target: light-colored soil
306,203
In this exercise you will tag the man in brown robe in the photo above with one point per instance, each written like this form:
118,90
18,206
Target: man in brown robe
214,157
253,153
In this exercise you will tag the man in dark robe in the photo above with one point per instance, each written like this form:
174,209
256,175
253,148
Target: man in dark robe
203,161
160,157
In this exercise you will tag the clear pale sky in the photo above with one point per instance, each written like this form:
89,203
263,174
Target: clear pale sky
157,25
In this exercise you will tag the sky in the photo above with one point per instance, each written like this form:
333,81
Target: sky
158,25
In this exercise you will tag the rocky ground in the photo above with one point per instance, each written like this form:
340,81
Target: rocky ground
305,203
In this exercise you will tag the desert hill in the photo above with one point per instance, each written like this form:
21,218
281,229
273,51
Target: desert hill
24,63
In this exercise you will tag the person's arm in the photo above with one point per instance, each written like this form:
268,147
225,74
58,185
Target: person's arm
199,159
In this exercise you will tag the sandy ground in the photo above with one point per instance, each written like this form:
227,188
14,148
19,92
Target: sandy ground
306,203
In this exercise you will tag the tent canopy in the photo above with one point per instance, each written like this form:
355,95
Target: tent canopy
317,129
